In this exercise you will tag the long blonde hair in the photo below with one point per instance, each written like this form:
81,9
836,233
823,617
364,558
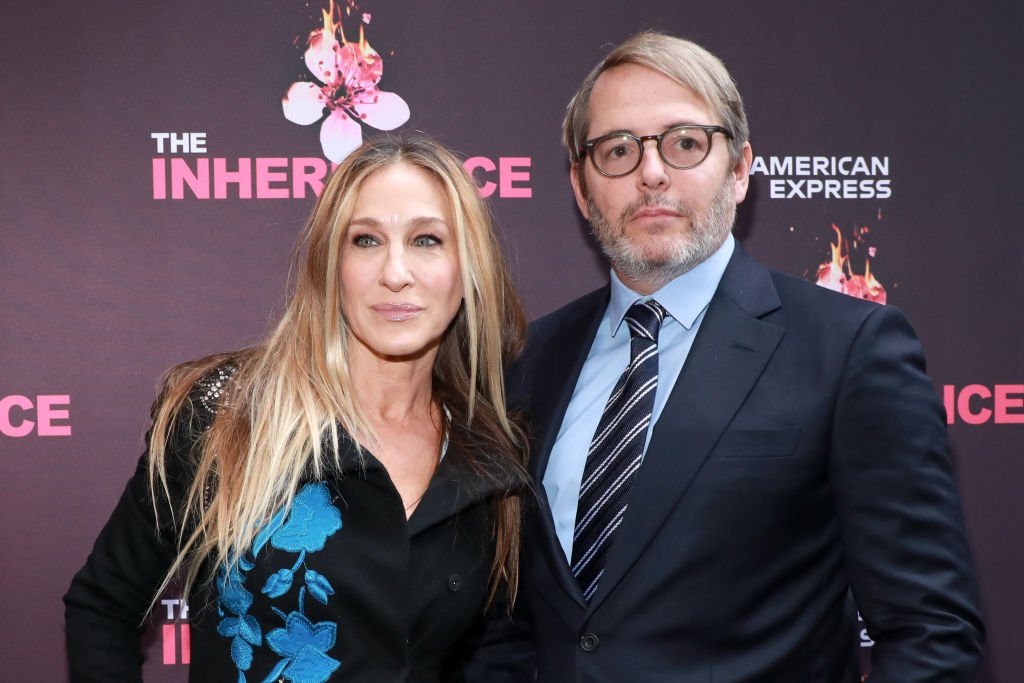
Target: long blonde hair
281,409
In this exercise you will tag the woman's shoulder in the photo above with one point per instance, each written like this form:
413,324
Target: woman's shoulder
200,389
210,391
191,397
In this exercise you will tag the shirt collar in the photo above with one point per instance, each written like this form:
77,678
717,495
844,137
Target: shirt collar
685,297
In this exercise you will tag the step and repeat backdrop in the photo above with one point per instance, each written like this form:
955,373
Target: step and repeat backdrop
157,161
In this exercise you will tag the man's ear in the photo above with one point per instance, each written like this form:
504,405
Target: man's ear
577,189
741,172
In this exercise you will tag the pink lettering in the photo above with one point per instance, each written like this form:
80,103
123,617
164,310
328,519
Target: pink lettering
49,408
47,411
265,175
198,182
159,179
949,402
1009,396
186,645
7,426
309,171
222,177
963,404
507,176
281,177
472,164
170,642
977,404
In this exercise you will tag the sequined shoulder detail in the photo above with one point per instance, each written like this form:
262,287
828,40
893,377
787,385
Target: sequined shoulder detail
211,387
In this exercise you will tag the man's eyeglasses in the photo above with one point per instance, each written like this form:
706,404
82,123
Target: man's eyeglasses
681,147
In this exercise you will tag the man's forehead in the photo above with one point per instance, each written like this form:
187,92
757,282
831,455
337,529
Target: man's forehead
640,100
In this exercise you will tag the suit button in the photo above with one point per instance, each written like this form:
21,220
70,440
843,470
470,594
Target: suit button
589,642
454,583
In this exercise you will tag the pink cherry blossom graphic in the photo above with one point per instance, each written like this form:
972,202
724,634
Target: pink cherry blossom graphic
347,75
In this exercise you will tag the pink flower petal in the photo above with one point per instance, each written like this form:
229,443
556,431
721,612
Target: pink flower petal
382,110
339,135
303,103
361,65
320,56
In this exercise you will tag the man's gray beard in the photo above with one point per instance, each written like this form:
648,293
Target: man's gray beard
708,232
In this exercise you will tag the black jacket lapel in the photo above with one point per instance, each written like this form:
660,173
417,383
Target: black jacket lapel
544,380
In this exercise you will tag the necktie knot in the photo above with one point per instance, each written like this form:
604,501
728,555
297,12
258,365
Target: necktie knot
644,319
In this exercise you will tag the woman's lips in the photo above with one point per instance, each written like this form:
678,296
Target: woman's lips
397,312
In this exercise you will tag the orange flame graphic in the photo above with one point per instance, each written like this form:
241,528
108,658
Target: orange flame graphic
837,274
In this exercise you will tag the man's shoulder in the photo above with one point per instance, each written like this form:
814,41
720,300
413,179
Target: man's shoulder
802,307
813,299
821,318
590,304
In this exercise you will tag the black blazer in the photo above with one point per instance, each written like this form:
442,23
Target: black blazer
802,453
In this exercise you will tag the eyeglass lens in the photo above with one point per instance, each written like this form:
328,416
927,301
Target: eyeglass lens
680,147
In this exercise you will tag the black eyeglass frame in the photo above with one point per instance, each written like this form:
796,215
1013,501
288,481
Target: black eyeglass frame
709,130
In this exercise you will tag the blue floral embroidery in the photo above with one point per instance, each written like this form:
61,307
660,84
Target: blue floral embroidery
233,595
319,587
242,628
303,645
311,521
279,583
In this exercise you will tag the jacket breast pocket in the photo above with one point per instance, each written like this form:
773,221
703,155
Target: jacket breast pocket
774,442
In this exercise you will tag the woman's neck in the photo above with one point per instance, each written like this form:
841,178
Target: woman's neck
397,399
392,391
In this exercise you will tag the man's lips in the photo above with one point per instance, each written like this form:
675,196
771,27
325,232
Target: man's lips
397,312
655,212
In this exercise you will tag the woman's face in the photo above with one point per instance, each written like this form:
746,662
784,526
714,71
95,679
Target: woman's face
400,281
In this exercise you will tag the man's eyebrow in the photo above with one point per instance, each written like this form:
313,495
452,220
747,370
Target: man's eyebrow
626,131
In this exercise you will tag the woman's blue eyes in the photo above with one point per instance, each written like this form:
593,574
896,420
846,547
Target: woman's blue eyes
418,241
426,241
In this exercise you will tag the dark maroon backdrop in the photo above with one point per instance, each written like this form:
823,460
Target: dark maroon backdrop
103,286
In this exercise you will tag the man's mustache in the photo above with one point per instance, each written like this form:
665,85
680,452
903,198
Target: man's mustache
655,200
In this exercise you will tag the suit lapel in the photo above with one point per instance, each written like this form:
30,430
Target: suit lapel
728,355
557,369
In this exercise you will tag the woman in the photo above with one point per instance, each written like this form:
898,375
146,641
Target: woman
342,501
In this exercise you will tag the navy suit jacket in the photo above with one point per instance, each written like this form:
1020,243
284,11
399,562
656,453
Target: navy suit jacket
801,454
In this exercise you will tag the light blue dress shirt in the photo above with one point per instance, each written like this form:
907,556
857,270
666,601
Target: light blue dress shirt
686,299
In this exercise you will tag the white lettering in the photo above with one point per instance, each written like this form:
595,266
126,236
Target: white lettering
819,166
179,143
825,177
171,603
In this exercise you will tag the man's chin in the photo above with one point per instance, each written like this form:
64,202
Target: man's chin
668,229
653,259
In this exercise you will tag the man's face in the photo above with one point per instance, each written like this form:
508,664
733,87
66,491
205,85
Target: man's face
657,222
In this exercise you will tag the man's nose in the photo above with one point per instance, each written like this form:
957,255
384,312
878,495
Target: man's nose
653,172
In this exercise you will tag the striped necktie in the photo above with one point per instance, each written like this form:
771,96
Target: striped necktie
617,448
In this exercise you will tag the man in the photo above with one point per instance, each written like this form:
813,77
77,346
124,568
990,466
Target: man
723,472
